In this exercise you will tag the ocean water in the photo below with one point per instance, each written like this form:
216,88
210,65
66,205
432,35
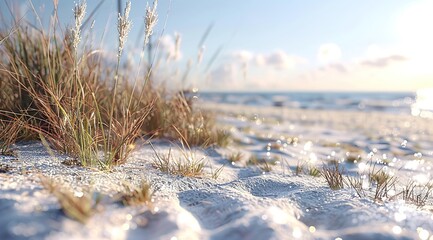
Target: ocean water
418,103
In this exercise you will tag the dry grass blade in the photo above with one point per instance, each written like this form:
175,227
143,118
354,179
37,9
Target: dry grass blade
187,165
79,208
138,195
333,175
162,162
384,183
356,184
417,194
9,130
264,164
216,174
313,171
235,157
300,167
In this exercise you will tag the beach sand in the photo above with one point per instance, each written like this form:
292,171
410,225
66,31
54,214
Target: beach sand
245,201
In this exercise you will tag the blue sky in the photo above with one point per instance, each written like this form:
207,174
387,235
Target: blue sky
282,45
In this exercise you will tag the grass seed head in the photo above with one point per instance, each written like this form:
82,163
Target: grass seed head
150,21
79,13
123,27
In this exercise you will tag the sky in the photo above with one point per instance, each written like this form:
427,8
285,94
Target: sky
278,45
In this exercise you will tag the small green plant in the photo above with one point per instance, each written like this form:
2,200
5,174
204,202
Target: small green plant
138,195
333,175
313,171
79,208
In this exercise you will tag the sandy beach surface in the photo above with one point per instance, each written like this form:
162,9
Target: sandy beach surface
244,201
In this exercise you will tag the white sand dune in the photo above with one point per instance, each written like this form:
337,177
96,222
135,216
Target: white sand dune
244,202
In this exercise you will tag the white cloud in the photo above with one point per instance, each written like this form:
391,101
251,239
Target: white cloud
226,76
281,60
338,67
382,62
243,56
277,59
243,70
378,68
329,53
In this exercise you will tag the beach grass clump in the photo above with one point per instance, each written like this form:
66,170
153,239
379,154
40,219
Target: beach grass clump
300,167
63,94
63,90
186,165
263,163
141,195
381,184
333,175
356,183
215,174
303,167
235,157
174,115
80,207
416,193
384,183
266,166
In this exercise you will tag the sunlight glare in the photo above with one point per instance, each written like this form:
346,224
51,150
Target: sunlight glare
423,105
396,230
414,25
